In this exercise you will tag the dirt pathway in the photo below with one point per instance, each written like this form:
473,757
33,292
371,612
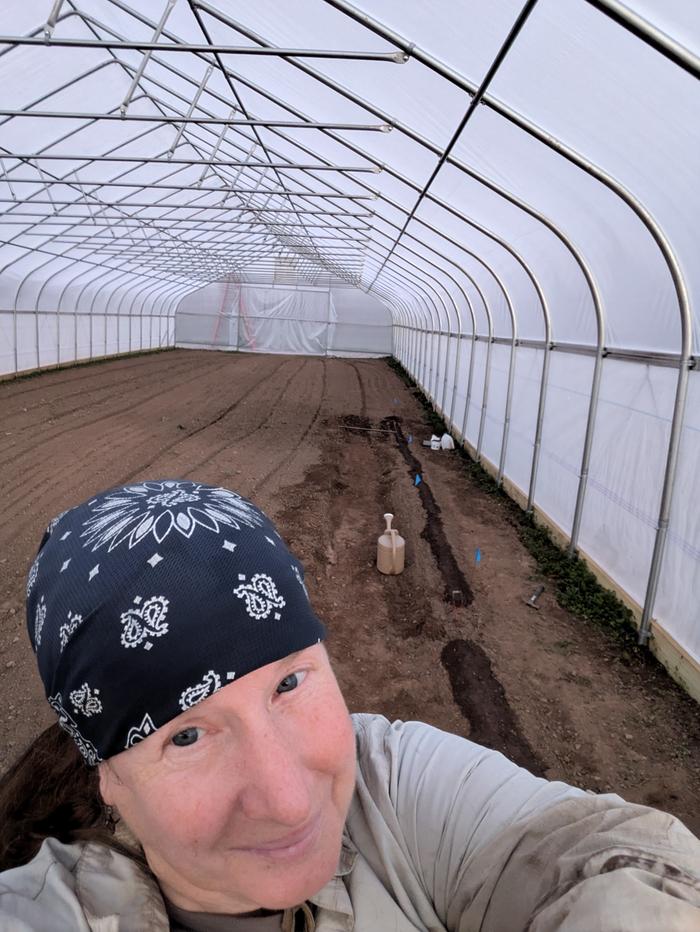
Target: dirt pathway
326,447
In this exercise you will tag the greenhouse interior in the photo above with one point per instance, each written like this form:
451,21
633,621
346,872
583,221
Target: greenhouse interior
499,198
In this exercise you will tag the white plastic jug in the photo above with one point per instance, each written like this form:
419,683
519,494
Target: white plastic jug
391,550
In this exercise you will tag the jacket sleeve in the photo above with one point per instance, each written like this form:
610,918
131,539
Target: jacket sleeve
499,850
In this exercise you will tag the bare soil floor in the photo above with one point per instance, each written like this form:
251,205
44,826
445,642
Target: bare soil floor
323,446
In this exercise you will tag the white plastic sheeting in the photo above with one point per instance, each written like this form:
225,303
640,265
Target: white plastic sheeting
283,319
557,221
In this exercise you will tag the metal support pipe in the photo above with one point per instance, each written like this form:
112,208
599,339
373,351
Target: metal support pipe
252,210
150,186
458,286
221,163
190,111
329,134
674,270
367,106
196,121
393,58
418,273
652,35
481,295
422,295
182,225
421,356
497,61
543,382
53,19
147,48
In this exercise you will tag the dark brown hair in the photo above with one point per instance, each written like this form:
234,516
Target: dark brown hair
50,792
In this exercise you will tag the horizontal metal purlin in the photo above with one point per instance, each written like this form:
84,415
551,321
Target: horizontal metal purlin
224,253
172,222
160,206
74,312
97,265
148,186
132,11
225,163
395,58
113,239
199,121
179,225
309,153
579,349
174,209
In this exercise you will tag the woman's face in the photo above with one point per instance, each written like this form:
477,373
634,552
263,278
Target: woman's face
239,803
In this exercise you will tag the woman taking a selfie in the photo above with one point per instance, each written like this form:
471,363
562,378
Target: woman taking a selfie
199,714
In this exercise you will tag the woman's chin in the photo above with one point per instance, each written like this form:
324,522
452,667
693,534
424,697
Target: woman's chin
291,886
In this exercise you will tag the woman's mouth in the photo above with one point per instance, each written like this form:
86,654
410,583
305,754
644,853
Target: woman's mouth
287,847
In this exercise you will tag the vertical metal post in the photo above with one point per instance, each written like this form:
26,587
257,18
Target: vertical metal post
14,328
509,402
485,396
470,379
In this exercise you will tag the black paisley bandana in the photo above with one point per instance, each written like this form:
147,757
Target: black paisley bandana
150,597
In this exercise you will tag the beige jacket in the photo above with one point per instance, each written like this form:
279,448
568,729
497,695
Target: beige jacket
442,835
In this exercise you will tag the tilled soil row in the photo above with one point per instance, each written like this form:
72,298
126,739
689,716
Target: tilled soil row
68,410
124,440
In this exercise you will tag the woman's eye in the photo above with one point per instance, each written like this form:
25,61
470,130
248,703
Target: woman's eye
186,737
291,682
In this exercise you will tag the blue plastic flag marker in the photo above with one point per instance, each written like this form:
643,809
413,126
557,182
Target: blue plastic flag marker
418,479
477,555
410,438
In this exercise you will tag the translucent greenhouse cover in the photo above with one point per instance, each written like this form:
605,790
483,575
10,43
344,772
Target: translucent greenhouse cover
511,188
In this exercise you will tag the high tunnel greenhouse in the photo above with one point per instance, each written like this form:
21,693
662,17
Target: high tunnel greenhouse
502,195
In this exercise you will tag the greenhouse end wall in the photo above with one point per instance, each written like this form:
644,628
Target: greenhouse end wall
272,318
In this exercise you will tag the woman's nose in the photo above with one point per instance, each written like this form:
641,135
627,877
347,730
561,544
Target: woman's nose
277,785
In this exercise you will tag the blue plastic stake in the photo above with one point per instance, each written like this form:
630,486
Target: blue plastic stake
418,479
410,438
477,555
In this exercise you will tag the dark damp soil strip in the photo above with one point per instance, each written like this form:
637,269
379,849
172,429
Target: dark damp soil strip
475,688
433,533
357,421
483,703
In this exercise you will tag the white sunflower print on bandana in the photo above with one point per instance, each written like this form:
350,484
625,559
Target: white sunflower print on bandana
143,621
54,521
155,509
86,701
67,723
200,691
39,619
261,596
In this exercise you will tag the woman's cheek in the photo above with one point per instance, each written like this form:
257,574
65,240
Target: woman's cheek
191,807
